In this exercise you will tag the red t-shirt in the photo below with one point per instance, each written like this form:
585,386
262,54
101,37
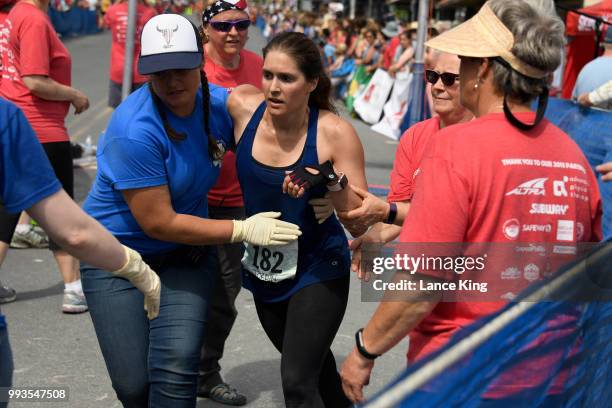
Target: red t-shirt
227,193
483,181
408,157
34,49
116,19
3,38
389,52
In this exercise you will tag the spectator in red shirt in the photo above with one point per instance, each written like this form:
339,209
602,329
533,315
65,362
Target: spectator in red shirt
116,19
391,31
444,79
227,64
475,178
36,72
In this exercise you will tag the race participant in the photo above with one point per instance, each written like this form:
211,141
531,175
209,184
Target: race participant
227,64
116,18
389,215
301,289
36,76
469,171
158,158
27,183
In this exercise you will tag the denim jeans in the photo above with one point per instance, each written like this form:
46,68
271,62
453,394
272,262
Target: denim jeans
6,364
154,363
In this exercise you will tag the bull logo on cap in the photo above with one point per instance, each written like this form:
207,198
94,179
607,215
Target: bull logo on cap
167,34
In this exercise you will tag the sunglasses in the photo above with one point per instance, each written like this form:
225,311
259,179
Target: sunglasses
448,79
226,26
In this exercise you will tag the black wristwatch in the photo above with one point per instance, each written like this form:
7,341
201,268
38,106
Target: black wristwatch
361,347
392,213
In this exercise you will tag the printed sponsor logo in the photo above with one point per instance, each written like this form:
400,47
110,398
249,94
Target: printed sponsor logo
564,250
531,248
531,272
531,187
559,189
536,228
565,230
579,231
511,273
548,209
511,229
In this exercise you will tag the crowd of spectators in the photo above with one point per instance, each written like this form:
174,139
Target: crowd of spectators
352,49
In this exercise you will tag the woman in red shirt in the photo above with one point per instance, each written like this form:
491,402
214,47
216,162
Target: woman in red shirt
36,77
490,180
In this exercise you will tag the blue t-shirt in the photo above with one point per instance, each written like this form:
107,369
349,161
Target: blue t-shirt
135,153
26,174
593,75
26,177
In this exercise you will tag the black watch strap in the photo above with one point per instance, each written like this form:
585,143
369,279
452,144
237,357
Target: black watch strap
361,347
392,213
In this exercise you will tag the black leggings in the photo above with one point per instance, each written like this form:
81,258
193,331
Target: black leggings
302,328
60,157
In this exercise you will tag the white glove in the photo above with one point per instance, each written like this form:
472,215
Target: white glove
264,229
144,279
323,208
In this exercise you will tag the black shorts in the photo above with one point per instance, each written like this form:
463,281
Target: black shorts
60,157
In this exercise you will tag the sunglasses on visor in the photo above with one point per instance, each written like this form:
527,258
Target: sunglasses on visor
226,26
448,79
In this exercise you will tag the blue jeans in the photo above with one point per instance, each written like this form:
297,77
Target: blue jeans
6,362
154,363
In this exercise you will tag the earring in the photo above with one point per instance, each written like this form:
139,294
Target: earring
476,86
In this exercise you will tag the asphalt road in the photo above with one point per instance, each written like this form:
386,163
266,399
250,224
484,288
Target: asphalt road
52,349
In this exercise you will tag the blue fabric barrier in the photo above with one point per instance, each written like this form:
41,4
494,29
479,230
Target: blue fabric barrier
74,22
552,354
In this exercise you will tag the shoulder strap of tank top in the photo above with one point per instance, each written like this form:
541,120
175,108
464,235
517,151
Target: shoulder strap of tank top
310,149
248,134
313,120
256,118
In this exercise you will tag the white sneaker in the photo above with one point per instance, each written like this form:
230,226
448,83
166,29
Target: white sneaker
74,303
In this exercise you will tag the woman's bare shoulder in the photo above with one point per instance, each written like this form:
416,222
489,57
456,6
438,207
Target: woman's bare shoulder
244,100
335,128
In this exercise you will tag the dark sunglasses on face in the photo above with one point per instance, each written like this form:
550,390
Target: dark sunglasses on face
448,79
226,26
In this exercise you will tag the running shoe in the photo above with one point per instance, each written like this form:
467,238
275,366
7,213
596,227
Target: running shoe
7,294
32,238
74,303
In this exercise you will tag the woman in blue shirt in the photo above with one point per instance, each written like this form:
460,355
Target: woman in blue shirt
156,162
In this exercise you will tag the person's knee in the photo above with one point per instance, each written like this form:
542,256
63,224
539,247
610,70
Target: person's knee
175,365
132,391
298,387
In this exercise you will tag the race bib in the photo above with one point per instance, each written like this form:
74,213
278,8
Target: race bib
271,263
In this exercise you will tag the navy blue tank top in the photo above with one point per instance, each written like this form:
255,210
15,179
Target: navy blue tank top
323,252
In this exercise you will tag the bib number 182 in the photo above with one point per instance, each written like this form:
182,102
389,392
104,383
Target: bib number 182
267,260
